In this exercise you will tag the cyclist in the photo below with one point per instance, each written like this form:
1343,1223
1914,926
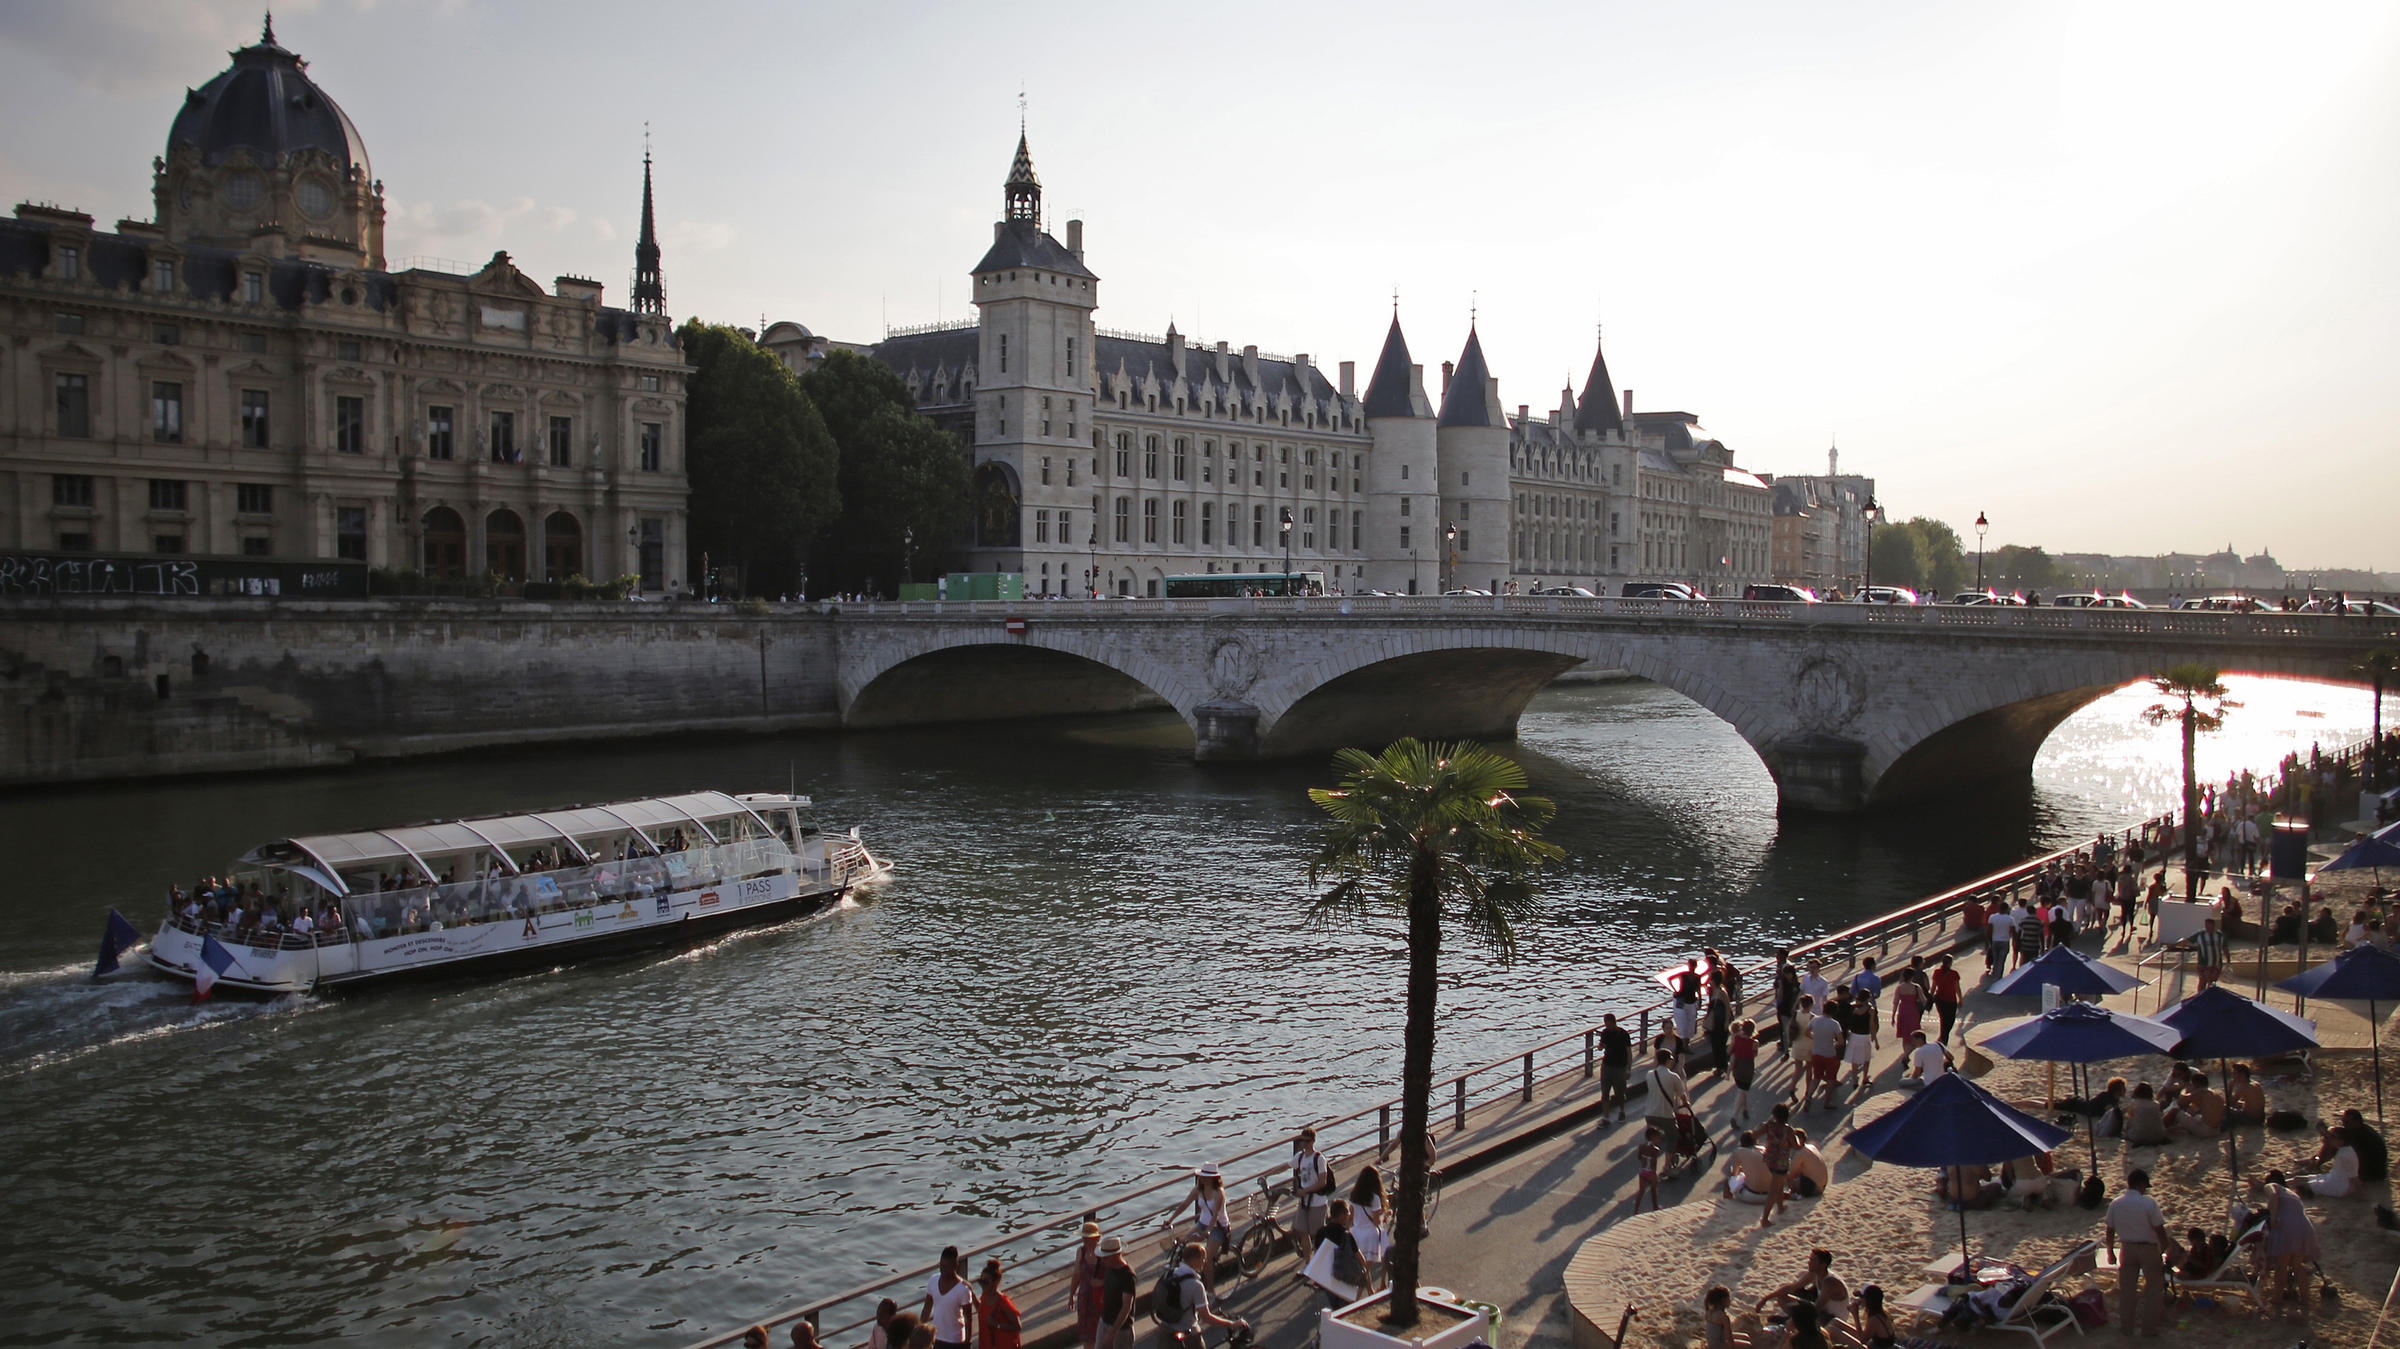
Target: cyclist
1210,1221
1184,1332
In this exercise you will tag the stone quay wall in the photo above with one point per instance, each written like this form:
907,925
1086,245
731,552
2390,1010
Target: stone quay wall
94,689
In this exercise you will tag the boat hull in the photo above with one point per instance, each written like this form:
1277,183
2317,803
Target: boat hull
493,948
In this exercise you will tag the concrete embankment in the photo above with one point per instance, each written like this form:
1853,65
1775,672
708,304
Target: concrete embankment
99,689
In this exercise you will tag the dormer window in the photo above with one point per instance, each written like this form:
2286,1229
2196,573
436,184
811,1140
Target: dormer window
70,264
162,276
254,287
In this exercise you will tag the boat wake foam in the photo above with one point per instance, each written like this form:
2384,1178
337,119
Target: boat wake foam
53,1017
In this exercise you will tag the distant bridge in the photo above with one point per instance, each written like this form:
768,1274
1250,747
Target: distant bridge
1849,705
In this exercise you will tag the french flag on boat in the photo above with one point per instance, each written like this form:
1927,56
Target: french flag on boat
214,961
115,940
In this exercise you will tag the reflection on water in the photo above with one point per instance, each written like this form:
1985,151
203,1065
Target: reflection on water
1093,966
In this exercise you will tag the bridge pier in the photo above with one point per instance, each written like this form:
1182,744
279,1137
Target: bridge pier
1825,774
1224,731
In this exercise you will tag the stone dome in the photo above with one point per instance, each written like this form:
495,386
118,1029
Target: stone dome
266,103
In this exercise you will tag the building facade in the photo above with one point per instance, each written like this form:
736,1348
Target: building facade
241,374
1108,461
1820,527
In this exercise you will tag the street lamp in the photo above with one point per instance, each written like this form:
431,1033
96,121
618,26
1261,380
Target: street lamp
1283,525
1873,512
1450,550
1981,525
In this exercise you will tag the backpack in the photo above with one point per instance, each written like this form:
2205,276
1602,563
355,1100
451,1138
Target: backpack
1166,1299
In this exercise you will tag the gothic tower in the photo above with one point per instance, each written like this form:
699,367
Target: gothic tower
1403,503
1034,388
1471,446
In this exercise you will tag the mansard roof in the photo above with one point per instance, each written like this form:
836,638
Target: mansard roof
1393,391
1470,400
1022,243
1138,360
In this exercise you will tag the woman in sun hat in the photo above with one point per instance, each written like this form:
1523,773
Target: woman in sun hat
1210,1221
1083,1288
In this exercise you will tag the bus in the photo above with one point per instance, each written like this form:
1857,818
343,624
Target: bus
1232,585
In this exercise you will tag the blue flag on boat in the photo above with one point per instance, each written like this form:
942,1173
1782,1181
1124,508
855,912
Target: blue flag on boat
115,940
214,961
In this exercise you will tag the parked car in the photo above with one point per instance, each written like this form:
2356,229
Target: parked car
1886,595
1575,592
1782,593
1657,590
2356,608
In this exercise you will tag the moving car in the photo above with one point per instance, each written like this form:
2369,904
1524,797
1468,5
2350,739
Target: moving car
2091,600
1657,590
1886,595
1783,593
1576,592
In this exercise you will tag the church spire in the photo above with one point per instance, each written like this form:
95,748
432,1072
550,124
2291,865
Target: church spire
649,288
1024,190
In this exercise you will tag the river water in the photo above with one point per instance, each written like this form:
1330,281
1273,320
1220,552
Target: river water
1093,966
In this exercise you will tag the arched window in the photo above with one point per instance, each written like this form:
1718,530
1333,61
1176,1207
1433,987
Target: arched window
445,543
504,545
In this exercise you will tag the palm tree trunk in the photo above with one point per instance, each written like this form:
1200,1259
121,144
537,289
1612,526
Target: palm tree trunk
1416,1081
2191,807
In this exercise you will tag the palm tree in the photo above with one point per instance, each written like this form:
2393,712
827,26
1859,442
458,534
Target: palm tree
2378,666
1437,831
2184,685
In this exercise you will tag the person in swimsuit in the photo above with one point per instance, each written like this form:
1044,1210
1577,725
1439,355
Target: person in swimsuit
1874,1329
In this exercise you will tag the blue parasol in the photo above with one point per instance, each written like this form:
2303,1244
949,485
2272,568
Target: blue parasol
2073,973
2079,1033
2367,974
1953,1122
2372,851
2218,1023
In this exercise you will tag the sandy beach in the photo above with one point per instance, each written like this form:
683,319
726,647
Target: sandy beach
1884,1223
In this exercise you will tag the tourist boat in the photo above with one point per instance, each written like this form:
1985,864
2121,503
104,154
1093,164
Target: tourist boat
459,896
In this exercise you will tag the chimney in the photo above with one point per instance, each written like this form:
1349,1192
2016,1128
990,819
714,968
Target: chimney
1629,405
999,228
1349,378
1075,239
1446,369
1300,360
1524,412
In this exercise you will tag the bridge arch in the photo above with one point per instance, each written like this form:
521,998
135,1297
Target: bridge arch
942,675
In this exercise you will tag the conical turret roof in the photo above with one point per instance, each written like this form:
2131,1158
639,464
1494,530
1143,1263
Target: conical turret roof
1596,411
1470,401
1393,391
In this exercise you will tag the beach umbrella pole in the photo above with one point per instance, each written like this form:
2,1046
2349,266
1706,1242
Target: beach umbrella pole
2375,1039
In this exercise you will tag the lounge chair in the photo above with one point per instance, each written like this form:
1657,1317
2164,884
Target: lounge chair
2028,1313
2227,1279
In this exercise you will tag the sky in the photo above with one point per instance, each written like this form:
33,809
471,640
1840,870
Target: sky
2120,276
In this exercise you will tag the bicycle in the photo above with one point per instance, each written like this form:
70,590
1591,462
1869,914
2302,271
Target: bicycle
1265,1233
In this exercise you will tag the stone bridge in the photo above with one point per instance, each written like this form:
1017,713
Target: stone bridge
1851,706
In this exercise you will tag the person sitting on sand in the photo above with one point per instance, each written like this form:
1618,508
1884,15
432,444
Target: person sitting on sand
1716,1320
1746,1176
1810,1174
2374,1161
2340,1174
2245,1100
2108,1109
2145,1123
1818,1289
2200,1113
1874,1329
1969,1187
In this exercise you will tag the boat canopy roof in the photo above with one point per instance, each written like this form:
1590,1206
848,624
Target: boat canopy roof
533,829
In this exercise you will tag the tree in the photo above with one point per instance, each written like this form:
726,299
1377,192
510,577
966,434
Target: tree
1898,558
1946,565
2184,685
905,483
2378,666
2029,570
1442,833
760,461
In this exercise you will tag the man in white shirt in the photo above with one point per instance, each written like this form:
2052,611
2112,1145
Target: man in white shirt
1192,1294
1666,1095
949,1304
1927,1062
1824,1056
1312,1181
2134,1219
1814,988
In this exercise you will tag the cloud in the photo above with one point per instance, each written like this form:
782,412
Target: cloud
556,218
128,46
696,236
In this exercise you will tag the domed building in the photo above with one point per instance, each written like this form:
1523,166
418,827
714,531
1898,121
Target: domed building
237,396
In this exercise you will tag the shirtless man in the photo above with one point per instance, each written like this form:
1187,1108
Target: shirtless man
2245,1100
2199,1112
1819,1287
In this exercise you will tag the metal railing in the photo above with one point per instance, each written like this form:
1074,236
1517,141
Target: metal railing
1044,1246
